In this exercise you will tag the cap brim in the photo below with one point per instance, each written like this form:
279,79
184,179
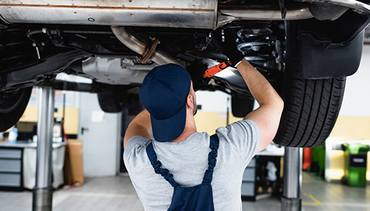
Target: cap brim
169,129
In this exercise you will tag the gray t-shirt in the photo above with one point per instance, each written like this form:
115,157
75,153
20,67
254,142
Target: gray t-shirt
188,161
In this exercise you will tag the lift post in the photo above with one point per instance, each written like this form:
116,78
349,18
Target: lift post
291,200
43,191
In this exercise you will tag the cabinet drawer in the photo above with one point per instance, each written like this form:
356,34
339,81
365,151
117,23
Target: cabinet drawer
11,153
9,165
10,180
247,189
249,174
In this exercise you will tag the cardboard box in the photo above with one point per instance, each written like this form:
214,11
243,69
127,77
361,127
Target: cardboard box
73,168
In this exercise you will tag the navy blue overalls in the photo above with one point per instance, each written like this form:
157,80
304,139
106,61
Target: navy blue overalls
196,198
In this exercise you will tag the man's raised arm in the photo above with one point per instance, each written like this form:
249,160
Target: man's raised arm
268,115
139,126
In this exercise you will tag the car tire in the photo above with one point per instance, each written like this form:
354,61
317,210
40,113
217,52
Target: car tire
241,104
112,99
311,110
311,105
12,106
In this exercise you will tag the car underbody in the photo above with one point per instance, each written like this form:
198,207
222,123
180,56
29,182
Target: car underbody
304,48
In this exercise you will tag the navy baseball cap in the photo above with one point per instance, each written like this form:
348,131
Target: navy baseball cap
163,93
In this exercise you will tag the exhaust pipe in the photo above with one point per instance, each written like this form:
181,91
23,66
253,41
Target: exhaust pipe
135,44
267,12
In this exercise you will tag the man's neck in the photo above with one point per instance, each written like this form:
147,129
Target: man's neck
187,132
190,126
190,129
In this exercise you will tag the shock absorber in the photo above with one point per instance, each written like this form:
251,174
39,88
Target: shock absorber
260,48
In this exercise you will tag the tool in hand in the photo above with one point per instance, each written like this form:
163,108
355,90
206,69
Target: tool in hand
216,69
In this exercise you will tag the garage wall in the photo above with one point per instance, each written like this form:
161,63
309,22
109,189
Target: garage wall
213,112
354,117
356,100
353,123
30,116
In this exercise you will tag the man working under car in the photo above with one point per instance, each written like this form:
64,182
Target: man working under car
182,155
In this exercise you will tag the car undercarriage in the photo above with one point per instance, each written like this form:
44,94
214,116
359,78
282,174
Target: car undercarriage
305,49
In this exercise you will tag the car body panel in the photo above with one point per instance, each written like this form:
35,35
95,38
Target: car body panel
169,13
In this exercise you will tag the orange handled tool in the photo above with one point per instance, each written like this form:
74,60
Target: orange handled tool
216,69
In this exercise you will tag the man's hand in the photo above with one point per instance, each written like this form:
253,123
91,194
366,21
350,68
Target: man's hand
225,42
196,71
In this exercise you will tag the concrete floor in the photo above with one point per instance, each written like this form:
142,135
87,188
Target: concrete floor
117,193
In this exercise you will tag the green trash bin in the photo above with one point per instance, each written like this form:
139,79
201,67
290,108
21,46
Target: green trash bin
318,160
355,164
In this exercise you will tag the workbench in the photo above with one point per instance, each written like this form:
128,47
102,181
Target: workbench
18,165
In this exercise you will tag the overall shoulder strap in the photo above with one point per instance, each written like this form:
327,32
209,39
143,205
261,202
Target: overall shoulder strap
157,166
212,158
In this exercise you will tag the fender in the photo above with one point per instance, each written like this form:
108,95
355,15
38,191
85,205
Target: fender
331,49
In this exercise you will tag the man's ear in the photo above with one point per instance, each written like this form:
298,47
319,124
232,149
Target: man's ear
189,101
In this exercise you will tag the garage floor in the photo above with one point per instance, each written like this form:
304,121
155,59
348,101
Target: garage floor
117,193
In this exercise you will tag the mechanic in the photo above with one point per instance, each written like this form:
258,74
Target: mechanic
180,154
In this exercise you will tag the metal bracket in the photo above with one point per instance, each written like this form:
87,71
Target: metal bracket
356,6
